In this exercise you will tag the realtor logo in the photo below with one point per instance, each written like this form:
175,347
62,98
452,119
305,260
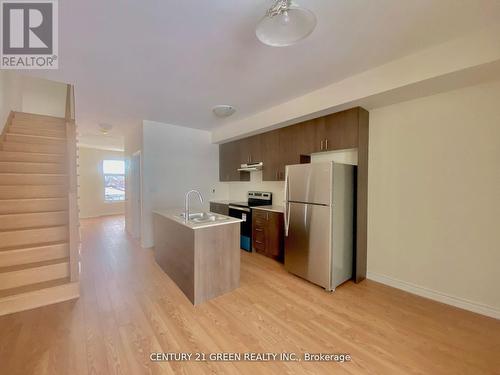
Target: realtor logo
29,34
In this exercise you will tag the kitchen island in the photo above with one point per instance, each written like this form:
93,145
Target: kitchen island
201,255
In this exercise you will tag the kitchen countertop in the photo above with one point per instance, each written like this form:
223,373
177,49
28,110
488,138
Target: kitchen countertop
174,214
272,208
222,201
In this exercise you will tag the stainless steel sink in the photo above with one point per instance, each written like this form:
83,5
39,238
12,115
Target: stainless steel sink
204,217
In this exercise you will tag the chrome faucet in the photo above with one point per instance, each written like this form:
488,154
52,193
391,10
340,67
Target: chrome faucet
186,203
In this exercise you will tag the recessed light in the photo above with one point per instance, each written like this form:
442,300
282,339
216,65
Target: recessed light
223,110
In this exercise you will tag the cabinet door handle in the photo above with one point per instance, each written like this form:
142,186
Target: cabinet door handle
267,215
321,145
259,242
326,144
259,229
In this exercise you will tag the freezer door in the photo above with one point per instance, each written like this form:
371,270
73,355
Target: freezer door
308,244
309,183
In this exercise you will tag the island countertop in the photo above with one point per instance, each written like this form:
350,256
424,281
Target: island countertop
203,259
174,214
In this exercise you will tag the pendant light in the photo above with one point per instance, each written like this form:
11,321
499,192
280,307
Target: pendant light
285,24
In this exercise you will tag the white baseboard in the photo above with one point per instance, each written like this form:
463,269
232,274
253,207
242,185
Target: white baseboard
435,295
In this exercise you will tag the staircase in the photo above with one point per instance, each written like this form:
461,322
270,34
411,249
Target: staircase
39,238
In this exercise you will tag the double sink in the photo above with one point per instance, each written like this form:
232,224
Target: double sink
203,217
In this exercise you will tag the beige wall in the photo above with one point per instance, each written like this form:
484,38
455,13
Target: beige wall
91,181
434,197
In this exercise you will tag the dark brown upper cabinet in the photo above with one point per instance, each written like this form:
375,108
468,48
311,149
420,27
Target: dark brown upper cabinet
337,131
290,145
230,161
270,155
251,149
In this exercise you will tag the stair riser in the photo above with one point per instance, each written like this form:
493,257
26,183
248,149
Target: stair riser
31,220
27,192
21,167
29,276
29,157
9,137
38,298
33,236
27,179
17,206
37,148
37,131
32,255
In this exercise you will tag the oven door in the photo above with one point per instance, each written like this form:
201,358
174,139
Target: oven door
244,214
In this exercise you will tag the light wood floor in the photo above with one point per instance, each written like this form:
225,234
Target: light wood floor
130,308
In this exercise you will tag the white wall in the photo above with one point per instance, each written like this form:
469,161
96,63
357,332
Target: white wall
28,94
91,183
43,97
10,95
175,160
132,143
434,197
348,156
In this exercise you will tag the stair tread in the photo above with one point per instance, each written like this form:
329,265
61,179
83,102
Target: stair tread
32,228
33,174
37,115
21,267
27,153
27,200
59,147
30,162
34,246
33,213
36,136
33,287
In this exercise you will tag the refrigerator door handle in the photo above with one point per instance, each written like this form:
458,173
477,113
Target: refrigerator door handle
287,205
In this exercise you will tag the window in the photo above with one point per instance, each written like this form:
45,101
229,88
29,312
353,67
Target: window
114,180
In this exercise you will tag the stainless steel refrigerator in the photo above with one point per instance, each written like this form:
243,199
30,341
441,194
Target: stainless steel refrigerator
319,222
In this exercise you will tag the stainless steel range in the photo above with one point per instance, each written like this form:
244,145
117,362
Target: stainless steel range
243,210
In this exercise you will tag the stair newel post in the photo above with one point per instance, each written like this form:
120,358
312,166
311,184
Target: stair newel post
72,157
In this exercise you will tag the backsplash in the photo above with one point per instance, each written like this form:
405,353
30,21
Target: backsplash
237,191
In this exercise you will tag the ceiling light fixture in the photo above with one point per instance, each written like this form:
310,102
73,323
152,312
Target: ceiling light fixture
284,24
105,128
223,110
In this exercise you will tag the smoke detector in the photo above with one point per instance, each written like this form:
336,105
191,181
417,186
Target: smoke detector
223,110
105,128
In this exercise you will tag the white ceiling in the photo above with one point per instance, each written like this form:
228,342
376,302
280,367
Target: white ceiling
171,61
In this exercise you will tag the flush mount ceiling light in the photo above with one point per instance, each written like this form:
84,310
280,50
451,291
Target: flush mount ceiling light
223,110
105,128
285,24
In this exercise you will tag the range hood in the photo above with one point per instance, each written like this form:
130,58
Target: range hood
250,167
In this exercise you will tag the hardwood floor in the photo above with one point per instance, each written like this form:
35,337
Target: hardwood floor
130,308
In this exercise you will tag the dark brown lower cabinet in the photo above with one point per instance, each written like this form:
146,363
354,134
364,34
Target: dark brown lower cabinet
219,208
268,233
